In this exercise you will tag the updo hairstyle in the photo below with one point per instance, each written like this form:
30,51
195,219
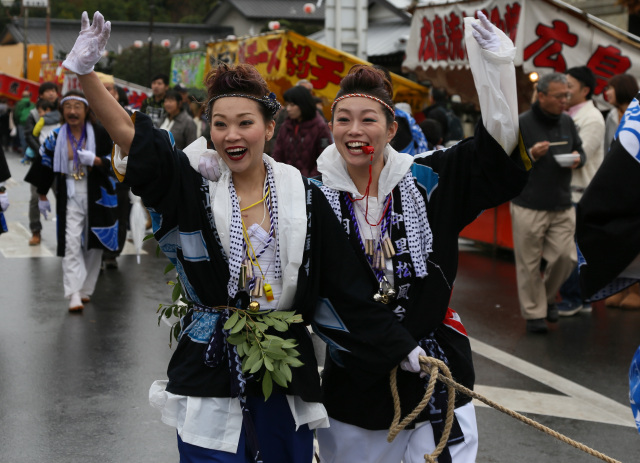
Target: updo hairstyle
242,78
369,81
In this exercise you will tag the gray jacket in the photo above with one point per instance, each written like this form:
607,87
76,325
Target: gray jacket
183,130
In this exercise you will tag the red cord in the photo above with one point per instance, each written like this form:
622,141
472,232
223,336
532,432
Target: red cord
369,150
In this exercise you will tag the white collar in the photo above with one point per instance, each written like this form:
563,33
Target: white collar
335,175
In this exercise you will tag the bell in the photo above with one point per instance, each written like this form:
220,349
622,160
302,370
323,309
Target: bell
384,299
254,306
391,292
377,297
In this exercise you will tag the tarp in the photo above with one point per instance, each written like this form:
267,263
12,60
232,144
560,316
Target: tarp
284,58
550,36
187,69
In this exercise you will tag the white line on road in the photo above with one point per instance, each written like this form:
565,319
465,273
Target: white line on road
577,403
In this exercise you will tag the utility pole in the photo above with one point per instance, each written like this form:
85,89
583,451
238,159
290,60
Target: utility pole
152,7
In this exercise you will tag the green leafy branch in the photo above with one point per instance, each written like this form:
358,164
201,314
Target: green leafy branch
262,352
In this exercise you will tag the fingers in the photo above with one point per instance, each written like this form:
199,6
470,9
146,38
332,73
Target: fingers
104,35
84,21
479,30
98,22
485,22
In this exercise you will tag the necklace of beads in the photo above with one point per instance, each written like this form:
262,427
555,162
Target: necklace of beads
75,145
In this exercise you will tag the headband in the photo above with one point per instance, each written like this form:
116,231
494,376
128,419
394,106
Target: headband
73,97
269,101
363,95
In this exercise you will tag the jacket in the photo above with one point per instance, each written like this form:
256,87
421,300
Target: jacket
183,129
590,125
300,143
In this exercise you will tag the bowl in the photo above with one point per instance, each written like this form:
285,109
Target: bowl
566,160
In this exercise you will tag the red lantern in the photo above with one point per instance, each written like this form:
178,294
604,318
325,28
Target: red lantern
309,8
166,43
274,25
194,44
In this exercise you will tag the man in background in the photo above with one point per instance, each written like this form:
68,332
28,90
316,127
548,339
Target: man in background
153,106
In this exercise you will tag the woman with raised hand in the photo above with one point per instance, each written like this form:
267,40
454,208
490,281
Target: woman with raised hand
245,234
403,214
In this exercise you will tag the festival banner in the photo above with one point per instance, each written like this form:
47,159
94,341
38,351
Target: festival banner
549,38
187,69
284,58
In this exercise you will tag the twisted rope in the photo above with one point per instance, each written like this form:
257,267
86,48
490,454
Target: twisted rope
431,366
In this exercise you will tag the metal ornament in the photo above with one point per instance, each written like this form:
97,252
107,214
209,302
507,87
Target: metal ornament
254,306
257,289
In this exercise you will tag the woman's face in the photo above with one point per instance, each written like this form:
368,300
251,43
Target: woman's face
610,94
293,111
171,106
358,122
239,132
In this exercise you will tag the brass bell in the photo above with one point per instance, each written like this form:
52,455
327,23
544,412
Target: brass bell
254,306
384,299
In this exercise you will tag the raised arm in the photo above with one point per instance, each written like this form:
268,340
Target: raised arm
86,52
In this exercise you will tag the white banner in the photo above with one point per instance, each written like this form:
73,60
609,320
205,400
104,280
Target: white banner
548,39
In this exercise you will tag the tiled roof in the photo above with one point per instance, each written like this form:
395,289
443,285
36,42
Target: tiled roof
63,33
276,9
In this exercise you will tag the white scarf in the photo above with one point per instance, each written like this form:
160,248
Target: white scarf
396,171
61,153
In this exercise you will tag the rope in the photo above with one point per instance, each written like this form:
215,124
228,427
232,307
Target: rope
430,366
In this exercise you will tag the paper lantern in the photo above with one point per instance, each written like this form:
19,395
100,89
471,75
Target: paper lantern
274,25
194,44
309,8
138,43
166,43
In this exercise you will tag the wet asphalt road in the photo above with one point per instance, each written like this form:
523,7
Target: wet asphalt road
73,388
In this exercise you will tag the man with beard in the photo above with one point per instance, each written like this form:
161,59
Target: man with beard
77,155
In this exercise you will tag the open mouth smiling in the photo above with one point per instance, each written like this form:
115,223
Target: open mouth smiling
236,152
356,146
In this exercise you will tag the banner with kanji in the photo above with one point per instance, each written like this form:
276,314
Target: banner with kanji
187,69
549,37
284,58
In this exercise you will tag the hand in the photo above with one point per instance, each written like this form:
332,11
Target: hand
86,157
484,34
90,44
539,149
576,163
4,201
45,206
209,168
412,362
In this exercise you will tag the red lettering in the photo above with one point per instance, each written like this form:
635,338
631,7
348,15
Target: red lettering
548,47
605,63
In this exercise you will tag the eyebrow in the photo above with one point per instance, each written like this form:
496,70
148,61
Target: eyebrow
237,115
366,110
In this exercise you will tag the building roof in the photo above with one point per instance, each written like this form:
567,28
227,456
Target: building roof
382,38
63,33
291,10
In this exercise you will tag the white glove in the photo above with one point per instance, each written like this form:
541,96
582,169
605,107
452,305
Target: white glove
485,35
90,44
86,157
412,362
4,201
44,206
209,168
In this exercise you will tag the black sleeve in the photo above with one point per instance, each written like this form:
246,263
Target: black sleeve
476,174
4,167
364,334
43,177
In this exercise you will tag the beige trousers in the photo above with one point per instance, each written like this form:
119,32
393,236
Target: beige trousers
538,235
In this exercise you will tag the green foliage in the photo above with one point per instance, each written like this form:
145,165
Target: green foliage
132,64
262,353
266,355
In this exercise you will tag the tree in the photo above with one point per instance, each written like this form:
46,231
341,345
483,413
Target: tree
132,64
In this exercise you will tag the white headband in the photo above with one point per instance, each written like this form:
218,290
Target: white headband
73,97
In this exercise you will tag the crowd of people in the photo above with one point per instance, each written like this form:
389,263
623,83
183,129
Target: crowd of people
381,190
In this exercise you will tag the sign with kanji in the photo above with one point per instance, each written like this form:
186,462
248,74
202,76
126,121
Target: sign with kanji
284,58
548,38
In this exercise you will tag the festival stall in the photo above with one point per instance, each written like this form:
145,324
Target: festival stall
550,36
285,57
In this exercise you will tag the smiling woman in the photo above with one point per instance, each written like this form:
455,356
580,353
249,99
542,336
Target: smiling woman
249,237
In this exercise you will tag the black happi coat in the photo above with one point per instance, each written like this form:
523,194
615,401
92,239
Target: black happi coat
103,219
180,202
474,175
608,222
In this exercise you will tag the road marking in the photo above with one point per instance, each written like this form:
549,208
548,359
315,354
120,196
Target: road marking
578,402
15,244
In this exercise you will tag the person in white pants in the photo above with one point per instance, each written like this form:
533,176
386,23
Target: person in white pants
86,204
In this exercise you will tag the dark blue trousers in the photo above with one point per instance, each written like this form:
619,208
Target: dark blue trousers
277,435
